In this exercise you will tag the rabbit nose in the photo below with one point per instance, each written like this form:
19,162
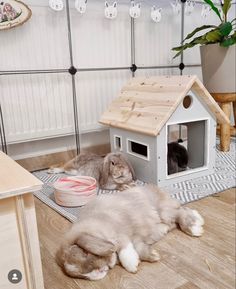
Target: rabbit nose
121,175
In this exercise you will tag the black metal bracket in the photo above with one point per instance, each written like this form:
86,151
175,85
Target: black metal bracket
181,66
72,70
133,68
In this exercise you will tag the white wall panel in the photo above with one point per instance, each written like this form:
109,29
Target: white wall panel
154,41
153,72
41,43
95,91
36,106
101,42
193,70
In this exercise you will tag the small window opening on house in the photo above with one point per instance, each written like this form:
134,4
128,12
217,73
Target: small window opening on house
117,143
186,147
187,101
138,149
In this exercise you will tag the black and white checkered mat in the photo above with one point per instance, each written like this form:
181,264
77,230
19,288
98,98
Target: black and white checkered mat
188,191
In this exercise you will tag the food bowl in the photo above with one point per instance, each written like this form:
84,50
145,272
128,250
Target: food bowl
74,191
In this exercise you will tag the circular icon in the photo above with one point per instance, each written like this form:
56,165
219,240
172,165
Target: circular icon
14,276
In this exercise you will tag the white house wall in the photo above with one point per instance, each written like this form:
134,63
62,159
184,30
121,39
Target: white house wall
145,169
195,112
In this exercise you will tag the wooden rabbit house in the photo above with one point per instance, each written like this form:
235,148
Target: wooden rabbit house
144,114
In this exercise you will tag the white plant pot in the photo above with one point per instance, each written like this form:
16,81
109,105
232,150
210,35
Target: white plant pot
218,68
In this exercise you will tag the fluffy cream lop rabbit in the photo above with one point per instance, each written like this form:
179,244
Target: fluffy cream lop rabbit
123,227
111,172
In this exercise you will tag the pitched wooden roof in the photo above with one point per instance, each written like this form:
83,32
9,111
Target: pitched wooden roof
145,104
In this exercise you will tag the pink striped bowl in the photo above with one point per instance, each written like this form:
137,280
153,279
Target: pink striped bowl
74,191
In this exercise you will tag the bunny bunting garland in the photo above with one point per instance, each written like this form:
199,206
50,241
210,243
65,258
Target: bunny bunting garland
189,7
156,14
81,6
135,10
110,10
56,5
176,5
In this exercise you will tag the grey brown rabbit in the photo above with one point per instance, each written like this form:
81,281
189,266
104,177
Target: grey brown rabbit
123,227
111,172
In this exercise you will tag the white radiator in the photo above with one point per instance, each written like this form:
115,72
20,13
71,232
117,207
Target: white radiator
36,106
40,106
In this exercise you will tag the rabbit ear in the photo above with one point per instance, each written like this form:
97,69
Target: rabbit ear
96,245
106,4
115,4
132,171
129,166
105,171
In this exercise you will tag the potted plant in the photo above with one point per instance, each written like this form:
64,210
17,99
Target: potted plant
217,50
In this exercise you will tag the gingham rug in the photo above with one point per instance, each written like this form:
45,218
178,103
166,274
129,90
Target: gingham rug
188,191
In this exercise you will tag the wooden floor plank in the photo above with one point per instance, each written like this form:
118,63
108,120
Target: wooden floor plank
228,196
187,263
188,285
209,261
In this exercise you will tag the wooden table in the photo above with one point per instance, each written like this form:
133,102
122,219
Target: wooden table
19,245
225,101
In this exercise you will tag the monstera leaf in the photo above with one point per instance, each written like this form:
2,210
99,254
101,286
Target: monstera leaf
13,13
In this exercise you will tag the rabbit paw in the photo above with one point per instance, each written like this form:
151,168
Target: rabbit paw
196,229
126,186
191,222
113,260
129,258
154,256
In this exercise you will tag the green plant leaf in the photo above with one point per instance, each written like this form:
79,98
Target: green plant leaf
199,29
195,41
234,35
225,28
214,36
224,33
228,42
225,8
213,7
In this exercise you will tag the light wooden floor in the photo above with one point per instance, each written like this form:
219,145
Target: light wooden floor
187,263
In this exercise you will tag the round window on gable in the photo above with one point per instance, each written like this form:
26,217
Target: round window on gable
187,101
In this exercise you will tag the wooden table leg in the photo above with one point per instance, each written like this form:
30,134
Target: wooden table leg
27,227
225,128
234,110
19,245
